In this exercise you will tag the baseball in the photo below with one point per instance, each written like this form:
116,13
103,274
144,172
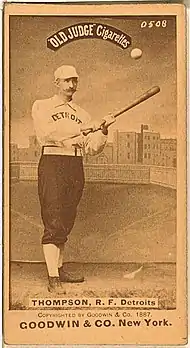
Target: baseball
136,53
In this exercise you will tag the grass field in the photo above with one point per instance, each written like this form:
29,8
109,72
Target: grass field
101,280
115,223
118,229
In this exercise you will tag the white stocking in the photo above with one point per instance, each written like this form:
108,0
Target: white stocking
51,254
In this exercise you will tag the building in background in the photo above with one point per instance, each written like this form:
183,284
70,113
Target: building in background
24,154
14,152
31,153
125,147
148,146
168,152
35,148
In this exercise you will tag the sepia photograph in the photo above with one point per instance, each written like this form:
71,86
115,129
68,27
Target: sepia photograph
93,139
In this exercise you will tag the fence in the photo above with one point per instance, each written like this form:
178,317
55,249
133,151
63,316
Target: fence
164,176
117,173
114,173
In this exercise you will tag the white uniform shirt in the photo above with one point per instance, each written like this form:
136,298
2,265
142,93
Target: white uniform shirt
55,122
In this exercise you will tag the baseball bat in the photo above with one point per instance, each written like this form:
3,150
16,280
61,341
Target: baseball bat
148,94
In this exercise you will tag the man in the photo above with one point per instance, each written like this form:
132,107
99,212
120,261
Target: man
59,125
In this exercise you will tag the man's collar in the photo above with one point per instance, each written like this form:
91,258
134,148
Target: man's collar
59,102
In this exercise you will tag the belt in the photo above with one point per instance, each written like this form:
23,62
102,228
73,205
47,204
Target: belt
56,150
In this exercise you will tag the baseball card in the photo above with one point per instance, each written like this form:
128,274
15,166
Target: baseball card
94,174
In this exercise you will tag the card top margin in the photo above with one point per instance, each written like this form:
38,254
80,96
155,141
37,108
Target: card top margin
93,9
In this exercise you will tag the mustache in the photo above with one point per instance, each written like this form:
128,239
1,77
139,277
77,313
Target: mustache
71,89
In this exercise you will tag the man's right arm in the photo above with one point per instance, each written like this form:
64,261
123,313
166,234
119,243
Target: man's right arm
40,126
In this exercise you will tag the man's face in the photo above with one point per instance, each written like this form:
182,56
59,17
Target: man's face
67,86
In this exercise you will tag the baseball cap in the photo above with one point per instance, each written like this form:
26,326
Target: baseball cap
65,71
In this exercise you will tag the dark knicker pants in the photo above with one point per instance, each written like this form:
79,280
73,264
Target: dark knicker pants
60,187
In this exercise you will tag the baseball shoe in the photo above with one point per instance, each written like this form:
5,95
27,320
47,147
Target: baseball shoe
69,278
54,285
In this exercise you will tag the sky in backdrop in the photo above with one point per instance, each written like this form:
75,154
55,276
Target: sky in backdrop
109,77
